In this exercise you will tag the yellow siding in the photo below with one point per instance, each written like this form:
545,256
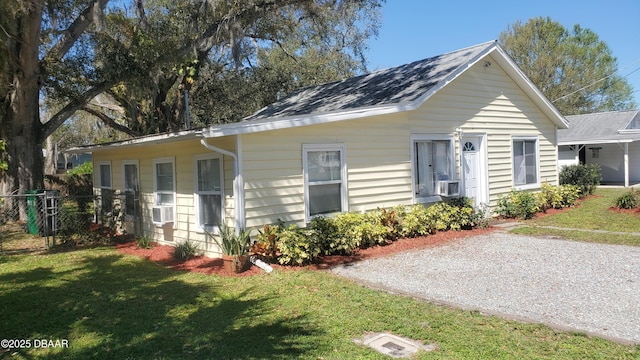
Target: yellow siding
483,100
184,153
377,149
377,155
486,100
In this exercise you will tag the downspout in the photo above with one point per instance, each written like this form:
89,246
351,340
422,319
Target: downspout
238,186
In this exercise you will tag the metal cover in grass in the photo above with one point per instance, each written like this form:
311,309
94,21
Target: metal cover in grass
393,345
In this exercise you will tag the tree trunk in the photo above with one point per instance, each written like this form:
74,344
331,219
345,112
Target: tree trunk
21,126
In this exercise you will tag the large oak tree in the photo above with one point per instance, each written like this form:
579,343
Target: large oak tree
144,54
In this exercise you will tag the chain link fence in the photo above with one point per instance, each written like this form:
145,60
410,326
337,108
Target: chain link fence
42,219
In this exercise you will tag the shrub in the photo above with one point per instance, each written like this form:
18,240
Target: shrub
360,230
185,250
585,177
460,215
518,204
325,233
415,221
297,246
628,200
266,243
144,242
557,197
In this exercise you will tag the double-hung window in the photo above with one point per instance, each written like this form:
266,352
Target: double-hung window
325,177
130,185
433,161
525,162
209,191
105,185
164,181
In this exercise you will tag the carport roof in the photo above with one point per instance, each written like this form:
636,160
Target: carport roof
604,127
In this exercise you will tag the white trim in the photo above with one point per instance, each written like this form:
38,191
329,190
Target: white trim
484,161
595,142
413,139
124,174
239,211
512,69
535,185
196,193
238,183
344,197
99,175
164,160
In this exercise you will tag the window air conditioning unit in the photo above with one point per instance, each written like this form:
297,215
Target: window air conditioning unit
162,214
448,188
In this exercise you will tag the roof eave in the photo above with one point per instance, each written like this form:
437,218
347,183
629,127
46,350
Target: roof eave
317,118
596,141
511,68
140,141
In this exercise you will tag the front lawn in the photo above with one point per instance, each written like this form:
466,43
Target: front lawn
591,214
114,306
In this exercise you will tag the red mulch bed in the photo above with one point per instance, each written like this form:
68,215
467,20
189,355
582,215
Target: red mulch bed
162,254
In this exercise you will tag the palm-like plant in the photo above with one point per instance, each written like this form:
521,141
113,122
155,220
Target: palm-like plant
231,243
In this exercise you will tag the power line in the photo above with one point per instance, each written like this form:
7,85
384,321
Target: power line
602,79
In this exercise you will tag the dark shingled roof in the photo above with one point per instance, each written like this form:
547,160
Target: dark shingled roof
600,127
393,86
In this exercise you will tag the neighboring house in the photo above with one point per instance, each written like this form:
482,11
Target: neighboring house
467,122
609,139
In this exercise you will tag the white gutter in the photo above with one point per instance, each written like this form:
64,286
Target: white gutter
238,185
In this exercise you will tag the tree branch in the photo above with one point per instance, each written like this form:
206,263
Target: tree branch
77,28
109,121
61,116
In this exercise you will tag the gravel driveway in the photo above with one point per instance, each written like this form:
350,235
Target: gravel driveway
592,288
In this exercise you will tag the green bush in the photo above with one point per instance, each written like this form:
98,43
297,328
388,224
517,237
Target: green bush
297,246
458,216
325,233
628,200
186,250
585,177
557,197
360,230
415,221
518,204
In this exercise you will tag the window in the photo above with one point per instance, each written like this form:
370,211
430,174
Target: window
104,174
324,179
104,183
209,192
433,161
525,162
130,185
164,184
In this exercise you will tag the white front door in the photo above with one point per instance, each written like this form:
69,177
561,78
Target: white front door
472,172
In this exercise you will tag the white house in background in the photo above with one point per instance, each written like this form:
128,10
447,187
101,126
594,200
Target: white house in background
609,139
468,122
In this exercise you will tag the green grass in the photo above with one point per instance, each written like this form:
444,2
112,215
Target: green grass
591,214
109,305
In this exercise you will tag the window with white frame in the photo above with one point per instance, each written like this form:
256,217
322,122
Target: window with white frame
130,185
104,174
105,185
164,181
324,178
209,206
525,161
433,161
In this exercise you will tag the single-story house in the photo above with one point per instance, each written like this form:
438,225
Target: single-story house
609,139
468,122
